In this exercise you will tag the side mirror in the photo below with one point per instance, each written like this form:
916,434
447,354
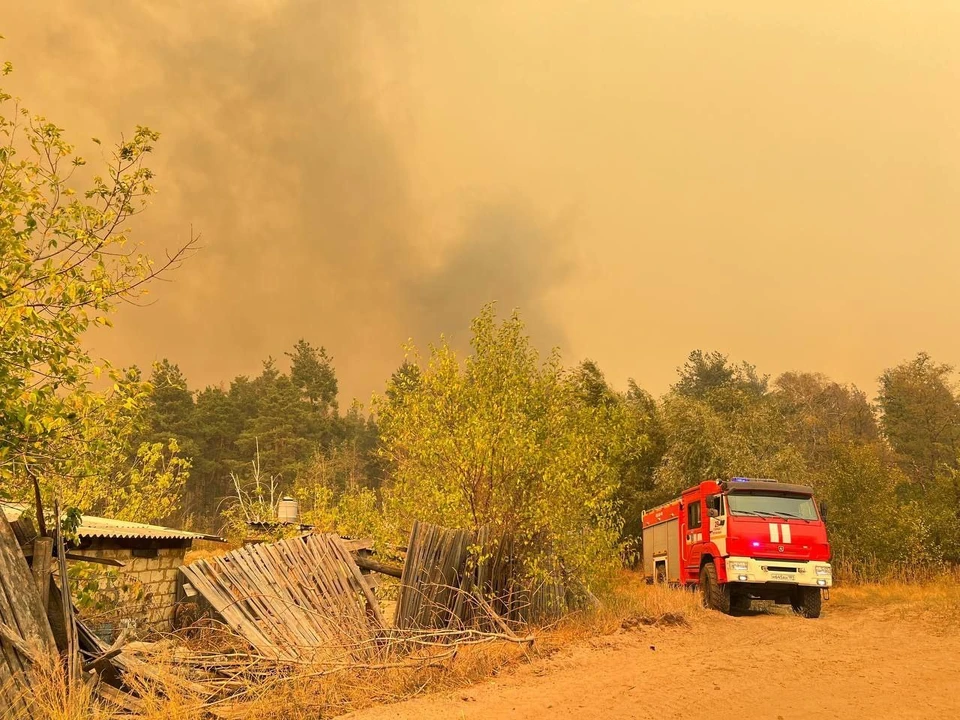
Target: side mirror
713,512
823,511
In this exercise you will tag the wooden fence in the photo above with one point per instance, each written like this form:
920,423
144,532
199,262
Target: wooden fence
25,634
461,578
298,599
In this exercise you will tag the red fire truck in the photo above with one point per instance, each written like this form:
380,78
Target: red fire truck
740,540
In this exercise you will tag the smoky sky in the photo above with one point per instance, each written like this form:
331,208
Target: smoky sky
277,150
639,179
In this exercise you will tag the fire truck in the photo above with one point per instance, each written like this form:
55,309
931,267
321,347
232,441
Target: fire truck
741,540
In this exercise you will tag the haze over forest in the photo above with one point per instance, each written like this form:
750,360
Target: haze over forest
640,179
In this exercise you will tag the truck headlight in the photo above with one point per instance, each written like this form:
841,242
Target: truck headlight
824,570
738,566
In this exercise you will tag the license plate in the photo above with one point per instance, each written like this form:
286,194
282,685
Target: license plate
780,576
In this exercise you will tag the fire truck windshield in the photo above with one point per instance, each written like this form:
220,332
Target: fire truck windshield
799,507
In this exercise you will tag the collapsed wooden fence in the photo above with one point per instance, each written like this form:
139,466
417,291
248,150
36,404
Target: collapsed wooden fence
298,599
25,634
461,578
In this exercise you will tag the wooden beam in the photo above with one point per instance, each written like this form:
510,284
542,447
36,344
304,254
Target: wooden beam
13,637
368,564
42,560
78,557
99,662
354,544
95,560
24,530
123,700
69,621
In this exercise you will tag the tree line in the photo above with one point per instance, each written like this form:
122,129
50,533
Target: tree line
502,436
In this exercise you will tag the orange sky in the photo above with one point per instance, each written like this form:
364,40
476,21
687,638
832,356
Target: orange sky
640,178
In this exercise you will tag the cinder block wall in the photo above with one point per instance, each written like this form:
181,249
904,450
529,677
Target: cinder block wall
158,577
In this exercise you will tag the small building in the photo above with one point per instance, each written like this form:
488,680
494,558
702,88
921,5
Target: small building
145,560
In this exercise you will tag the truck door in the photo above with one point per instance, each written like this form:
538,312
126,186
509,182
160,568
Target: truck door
693,534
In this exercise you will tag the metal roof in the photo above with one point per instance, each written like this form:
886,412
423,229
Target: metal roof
92,526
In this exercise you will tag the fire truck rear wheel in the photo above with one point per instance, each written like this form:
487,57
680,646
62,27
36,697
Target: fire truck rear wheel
807,601
715,595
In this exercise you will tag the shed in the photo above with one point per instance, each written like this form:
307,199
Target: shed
151,556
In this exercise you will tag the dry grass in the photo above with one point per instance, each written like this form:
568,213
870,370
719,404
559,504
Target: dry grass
905,591
50,696
319,692
936,600
870,571
631,602
299,693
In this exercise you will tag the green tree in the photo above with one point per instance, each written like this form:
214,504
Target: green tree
820,414
711,377
503,440
637,448
868,524
285,429
719,421
921,416
170,411
405,379
66,260
593,387
644,445
311,371
128,477
921,419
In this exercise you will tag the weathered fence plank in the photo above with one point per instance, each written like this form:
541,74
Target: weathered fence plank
461,578
302,598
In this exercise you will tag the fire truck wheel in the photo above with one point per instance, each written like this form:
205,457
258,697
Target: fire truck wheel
715,595
806,601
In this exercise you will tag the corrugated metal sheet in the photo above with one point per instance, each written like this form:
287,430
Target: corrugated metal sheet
98,527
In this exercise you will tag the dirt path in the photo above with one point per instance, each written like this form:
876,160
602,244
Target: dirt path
847,664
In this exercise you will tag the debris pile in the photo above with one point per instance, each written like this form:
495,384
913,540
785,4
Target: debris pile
305,606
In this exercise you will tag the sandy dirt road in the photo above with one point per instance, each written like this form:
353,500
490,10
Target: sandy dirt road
848,664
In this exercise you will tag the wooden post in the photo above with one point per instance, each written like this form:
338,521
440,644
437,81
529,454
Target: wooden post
42,559
73,654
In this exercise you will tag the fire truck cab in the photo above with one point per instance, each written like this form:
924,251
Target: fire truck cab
741,540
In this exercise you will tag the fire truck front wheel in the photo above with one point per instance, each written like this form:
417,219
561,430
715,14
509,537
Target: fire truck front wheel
715,595
806,601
